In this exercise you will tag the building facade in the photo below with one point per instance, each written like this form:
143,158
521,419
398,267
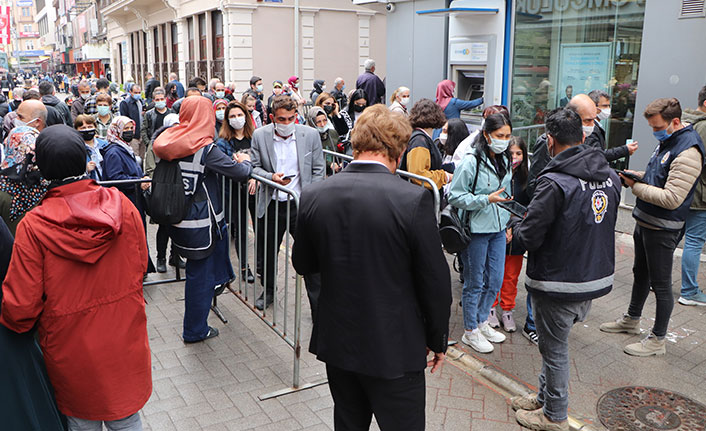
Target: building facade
27,52
234,40
80,37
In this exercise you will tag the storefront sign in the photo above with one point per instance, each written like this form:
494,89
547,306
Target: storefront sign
584,66
25,3
5,24
29,34
30,53
550,6
469,51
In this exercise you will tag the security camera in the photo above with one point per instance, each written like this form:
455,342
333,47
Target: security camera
390,7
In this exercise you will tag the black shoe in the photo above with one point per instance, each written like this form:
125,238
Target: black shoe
530,335
219,289
212,332
247,275
161,265
260,303
176,259
144,278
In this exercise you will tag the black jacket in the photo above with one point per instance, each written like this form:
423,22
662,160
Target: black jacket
597,140
386,289
59,112
569,229
150,86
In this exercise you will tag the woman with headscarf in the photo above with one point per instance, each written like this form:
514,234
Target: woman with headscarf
317,118
295,92
319,87
339,118
219,107
202,237
452,106
358,103
21,185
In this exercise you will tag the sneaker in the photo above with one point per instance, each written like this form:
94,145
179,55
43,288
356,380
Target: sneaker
538,421
649,346
477,341
493,319
625,324
491,334
698,298
525,402
508,322
531,335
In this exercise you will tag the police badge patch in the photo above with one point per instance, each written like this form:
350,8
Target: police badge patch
599,204
665,158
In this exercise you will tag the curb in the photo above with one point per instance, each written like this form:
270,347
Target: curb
502,383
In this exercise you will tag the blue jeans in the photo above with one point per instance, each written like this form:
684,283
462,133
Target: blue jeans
529,321
484,265
694,240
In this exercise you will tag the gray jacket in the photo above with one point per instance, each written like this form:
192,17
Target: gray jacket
310,155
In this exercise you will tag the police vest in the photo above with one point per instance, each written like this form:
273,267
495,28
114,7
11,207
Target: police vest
194,237
656,175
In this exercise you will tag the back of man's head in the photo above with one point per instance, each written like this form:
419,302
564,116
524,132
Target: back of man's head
102,84
369,65
583,105
564,125
702,99
381,131
46,88
34,113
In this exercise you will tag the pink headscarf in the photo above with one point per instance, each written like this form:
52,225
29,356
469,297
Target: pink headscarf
444,93
292,80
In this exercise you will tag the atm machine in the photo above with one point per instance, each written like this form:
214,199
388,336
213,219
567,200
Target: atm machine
476,51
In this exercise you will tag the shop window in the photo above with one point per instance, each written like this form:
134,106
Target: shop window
563,52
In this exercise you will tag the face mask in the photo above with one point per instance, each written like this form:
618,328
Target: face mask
328,109
587,130
662,135
88,134
321,130
220,94
343,87
161,104
127,136
20,123
498,145
404,101
103,110
605,113
260,88
284,130
516,163
295,86
237,122
220,115
443,137
277,91
358,108
85,96
323,88
137,96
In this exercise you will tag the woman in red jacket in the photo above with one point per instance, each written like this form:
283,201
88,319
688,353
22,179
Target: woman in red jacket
92,328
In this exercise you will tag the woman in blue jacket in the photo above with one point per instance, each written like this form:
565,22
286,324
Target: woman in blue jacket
452,106
479,183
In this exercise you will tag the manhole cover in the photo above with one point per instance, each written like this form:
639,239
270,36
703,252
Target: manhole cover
638,408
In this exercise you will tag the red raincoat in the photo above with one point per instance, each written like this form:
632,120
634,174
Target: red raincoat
76,269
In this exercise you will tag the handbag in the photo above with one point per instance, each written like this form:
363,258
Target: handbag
455,233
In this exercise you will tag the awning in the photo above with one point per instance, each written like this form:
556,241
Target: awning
459,11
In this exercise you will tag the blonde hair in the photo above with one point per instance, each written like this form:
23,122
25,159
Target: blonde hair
378,130
396,92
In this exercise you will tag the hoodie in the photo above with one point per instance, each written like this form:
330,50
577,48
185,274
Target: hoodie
58,112
697,119
318,89
76,273
569,227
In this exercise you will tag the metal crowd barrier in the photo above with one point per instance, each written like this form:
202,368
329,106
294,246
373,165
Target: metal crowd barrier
339,158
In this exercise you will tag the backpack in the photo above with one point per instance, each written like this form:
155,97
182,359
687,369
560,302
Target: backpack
168,203
455,233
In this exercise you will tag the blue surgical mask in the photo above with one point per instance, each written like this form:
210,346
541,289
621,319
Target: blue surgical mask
220,115
662,135
161,104
260,88
137,96
498,145
103,110
220,94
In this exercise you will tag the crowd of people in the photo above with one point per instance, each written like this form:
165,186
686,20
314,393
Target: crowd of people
66,226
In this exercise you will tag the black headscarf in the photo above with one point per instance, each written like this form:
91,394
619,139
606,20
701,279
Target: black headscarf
60,153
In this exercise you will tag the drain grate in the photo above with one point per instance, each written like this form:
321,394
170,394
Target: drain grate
639,408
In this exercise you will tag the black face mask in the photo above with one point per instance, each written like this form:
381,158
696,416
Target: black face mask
88,135
328,109
127,136
357,108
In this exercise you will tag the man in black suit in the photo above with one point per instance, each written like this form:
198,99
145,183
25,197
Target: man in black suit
386,292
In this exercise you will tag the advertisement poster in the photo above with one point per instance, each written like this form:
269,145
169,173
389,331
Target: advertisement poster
585,67
5,24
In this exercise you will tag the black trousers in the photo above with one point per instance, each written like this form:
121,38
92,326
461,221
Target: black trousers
241,203
398,404
270,238
654,254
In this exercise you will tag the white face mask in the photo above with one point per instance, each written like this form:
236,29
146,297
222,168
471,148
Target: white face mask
443,137
587,130
20,123
498,145
604,114
323,88
237,123
284,130
404,101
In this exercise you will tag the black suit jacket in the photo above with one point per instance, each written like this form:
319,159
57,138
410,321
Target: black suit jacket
386,288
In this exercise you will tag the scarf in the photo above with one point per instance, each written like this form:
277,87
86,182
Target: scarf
20,177
115,132
196,128
444,93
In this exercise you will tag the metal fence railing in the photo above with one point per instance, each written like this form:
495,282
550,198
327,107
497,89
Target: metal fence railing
341,159
529,134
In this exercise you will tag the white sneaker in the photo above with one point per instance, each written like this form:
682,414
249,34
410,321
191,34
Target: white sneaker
491,334
477,341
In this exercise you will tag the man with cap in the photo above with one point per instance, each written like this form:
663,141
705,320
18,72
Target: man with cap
81,232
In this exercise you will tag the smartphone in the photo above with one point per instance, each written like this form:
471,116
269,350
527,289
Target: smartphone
629,141
514,207
289,177
631,176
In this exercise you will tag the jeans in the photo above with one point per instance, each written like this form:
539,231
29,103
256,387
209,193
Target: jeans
654,252
694,240
529,321
554,319
130,423
484,264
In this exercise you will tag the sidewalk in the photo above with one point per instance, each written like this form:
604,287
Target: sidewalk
215,385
